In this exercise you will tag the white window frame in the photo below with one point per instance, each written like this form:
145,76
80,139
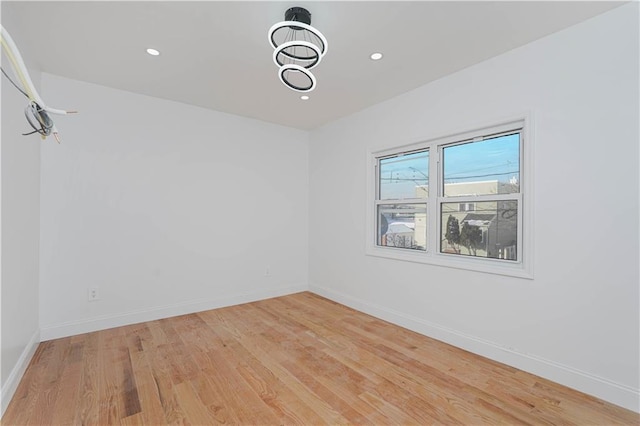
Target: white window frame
522,267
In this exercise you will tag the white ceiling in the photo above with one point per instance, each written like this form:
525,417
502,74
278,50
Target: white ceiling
216,54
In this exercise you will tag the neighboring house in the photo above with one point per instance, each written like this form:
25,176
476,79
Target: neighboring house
401,234
497,221
498,235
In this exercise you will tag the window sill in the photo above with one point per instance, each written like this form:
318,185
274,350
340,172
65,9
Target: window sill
506,268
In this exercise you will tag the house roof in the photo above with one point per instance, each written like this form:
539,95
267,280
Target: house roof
478,217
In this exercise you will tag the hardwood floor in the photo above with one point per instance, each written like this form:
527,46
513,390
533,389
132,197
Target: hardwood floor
298,359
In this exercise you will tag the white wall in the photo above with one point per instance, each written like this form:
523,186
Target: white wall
577,321
20,227
165,208
168,209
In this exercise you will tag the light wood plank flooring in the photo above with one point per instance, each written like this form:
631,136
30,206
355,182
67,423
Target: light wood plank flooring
298,359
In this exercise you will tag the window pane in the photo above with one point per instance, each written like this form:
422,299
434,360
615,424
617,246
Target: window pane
405,176
402,225
491,166
489,231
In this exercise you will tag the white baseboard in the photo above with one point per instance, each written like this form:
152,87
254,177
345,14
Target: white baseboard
11,385
73,328
599,387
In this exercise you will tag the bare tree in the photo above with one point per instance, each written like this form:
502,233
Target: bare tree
470,237
453,232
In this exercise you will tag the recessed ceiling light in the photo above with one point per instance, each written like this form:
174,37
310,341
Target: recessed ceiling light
376,56
153,52
304,97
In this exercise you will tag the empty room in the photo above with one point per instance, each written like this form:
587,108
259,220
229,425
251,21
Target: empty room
364,212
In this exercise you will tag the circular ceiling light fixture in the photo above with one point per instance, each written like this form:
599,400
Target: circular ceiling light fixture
304,97
376,56
298,47
153,52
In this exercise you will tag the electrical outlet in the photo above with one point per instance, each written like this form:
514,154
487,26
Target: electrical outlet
94,294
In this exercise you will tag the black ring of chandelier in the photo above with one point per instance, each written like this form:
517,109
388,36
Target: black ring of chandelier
284,49
298,27
303,71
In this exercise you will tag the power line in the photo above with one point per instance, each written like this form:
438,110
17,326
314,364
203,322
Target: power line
475,176
401,179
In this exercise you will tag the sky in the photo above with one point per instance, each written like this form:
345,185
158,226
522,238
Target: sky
491,159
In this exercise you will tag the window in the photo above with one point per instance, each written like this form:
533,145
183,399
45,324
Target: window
467,207
401,205
489,168
455,201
